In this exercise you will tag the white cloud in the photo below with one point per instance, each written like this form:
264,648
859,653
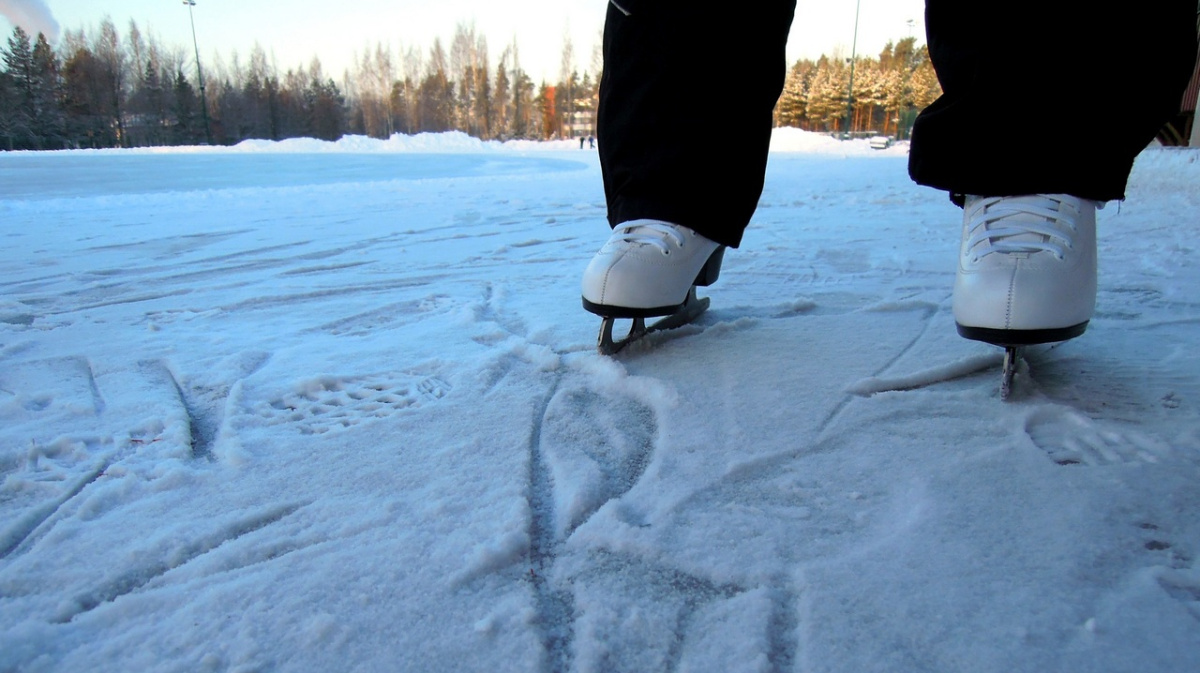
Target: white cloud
33,16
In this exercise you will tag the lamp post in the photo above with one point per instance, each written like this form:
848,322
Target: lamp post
199,74
903,127
853,56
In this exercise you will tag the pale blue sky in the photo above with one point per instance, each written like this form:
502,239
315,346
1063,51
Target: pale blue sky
295,31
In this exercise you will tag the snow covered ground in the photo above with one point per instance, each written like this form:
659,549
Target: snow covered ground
336,407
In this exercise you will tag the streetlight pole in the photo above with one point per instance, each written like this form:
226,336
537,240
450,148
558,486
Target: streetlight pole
200,74
853,57
902,118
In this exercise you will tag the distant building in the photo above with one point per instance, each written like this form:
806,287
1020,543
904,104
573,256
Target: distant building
582,122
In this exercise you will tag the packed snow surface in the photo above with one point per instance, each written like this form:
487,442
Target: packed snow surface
313,406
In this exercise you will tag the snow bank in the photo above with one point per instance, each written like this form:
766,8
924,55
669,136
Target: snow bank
807,142
454,141
782,140
422,142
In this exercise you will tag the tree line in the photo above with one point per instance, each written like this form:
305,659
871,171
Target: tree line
100,88
888,92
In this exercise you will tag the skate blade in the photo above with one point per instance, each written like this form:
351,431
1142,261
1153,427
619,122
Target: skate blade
1012,355
692,308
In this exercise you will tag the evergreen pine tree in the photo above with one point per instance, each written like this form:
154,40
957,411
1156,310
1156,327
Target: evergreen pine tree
156,103
8,107
435,104
826,100
184,131
499,101
49,122
325,106
791,108
19,116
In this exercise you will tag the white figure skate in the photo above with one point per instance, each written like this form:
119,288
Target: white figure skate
649,268
1026,272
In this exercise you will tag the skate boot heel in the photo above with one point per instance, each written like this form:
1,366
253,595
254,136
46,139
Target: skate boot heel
711,270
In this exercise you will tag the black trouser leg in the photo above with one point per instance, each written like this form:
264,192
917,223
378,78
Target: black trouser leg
1052,96
685,110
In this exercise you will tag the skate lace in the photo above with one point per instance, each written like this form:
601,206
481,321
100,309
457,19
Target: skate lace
1007,225
657,234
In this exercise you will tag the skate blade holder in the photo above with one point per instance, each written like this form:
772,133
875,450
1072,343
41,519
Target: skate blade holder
1015,343
692,307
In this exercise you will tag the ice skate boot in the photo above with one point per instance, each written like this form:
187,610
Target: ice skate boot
1026,272
649,268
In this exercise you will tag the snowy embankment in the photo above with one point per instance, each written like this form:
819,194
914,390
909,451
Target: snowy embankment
334,406
783,140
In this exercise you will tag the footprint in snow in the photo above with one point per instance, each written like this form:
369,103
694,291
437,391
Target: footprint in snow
1070,438
1175,570
326,403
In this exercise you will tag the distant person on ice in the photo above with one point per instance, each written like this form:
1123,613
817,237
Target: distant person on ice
1045,106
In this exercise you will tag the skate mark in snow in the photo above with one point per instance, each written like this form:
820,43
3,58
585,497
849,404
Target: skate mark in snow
62,386
134,416
200,432
51,445
596,447
327,403
32,284
162,415
202,277
8,350
274,301
496,370
170,246
1126,303
1070,438
633,615
325,268
586,449
15,536
18,319
165,560
205,401
132,299
785,497
924,378
143,415
488,314
1182,584
1129,374
783,628
857,389
399,313
220,267
555,607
